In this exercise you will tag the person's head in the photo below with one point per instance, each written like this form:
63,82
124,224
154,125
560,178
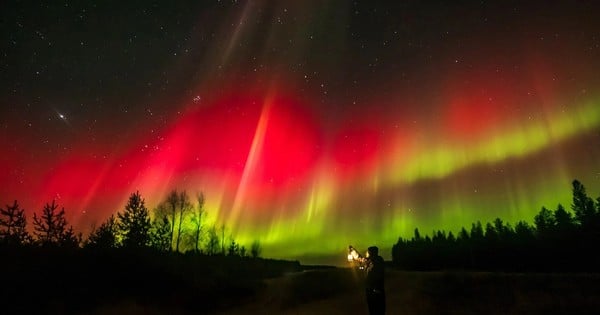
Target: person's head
372,251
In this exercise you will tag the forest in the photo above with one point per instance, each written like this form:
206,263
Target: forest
558,240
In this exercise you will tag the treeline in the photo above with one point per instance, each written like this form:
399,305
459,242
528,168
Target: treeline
558,240
169,260
176,225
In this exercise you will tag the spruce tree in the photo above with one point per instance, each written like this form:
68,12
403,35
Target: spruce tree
134,223
582,206
160,233
233,249
13,225
563,219
51,229
544,222
104,237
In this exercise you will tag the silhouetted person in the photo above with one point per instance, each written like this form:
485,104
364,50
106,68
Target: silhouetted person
375,282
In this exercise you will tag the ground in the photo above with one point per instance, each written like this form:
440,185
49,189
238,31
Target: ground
338,291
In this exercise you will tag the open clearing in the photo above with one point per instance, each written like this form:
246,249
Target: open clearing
339,291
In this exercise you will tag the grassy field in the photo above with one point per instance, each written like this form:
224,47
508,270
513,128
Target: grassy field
339,291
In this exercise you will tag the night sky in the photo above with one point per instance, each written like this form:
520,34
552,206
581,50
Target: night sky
308,125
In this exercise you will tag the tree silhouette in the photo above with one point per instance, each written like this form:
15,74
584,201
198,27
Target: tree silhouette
13,225
491,235
51,228
233,249
504,231
222,239
197,214
160,233
463,235
105,236
172,200
451,237
70,238
582,206
476,231
134,223
564,220
177,205
544,222
557,241
524,231
417,236
255,249
184,206
212,244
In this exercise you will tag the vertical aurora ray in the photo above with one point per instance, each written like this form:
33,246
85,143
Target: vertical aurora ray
252,162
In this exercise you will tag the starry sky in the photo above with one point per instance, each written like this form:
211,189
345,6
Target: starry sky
308,125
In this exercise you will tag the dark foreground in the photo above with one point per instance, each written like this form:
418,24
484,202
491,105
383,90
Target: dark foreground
39,282
338,291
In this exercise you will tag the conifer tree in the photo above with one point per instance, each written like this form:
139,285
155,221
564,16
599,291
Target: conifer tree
105,236
51,228
451,237
563,219
160,233
544,222
417,236
233,249
582,206
13,225
524,231
476,231
134,223
463,235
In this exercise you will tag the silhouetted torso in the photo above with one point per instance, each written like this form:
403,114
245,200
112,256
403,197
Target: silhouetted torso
375,285
375,273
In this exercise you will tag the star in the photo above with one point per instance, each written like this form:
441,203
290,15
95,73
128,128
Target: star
62,117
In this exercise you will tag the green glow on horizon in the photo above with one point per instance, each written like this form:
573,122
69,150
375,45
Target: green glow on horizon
323,229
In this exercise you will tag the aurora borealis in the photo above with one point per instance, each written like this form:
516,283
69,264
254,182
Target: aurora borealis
308,125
